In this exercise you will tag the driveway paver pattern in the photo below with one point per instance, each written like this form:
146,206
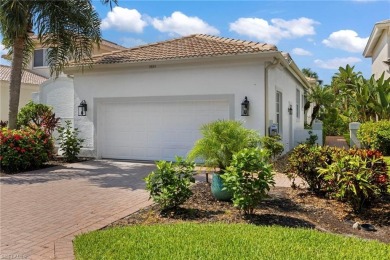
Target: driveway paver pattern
42,211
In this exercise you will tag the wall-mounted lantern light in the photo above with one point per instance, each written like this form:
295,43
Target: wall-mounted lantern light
83,108
290,109
245,107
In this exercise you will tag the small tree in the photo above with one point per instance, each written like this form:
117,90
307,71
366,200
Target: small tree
69,142
272,144
249,178
169,184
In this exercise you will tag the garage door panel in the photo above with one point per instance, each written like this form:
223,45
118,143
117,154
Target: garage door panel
154,130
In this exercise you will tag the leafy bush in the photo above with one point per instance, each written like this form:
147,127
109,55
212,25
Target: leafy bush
312,139
69,142
221,139
304,161
352,179
22,150
376,135
249,178
169,185
38,116
3,124
272,144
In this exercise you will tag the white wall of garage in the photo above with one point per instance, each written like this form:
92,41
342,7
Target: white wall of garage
234,78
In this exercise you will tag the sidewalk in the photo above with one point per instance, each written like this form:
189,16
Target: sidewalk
336,141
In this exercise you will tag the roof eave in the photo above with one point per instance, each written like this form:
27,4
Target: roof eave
76,68
374,37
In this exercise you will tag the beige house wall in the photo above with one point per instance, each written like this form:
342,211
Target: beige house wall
25,96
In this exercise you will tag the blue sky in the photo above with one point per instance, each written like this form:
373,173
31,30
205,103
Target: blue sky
321,35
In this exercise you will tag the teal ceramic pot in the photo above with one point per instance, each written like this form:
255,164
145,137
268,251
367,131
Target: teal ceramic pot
216,189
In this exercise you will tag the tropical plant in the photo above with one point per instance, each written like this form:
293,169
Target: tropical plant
375,135
320,96
304,162
69,141
221,139
22,150
309,73
272,144
169,184
352,180
68,28
38,116
249,177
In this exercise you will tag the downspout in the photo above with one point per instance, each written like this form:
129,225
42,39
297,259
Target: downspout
270,65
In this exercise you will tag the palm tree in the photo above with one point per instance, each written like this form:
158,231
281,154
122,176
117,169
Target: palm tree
68,28
309,73
320,96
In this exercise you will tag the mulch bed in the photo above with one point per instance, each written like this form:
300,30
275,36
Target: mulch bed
286,207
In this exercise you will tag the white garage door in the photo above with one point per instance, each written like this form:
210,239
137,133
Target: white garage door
154,130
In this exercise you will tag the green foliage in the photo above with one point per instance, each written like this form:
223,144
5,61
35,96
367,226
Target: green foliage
221,139
376,135
312,139
38,116
169,185
334,123
249,177
304,161
22,150
352,180
321,97
69,141
222,241
272,144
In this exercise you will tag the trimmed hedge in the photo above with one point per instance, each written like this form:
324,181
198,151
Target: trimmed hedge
376,135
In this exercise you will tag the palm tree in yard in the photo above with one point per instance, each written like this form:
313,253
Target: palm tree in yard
68,28
320,96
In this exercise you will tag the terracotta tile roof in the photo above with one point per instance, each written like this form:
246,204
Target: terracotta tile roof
197,45
28,77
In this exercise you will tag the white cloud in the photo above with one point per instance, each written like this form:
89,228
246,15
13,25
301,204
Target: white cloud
336,62
123,19
181,24
274,31
346,40
301,52
131,42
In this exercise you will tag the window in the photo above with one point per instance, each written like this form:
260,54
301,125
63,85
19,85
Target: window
40,58
279,110
298,103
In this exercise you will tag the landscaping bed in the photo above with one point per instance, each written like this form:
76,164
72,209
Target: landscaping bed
286,207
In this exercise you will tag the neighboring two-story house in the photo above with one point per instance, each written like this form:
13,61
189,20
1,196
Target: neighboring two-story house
378,49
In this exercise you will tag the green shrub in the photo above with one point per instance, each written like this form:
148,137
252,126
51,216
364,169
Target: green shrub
376,135
69,142
352,179
249,177
312,139
272,144
221,139
22,150
304,161
38,116
169,184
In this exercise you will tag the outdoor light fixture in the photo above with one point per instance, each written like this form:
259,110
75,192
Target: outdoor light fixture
290,110
83,108
245,107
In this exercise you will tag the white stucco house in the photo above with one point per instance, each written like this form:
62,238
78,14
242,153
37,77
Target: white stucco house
378,49
148,102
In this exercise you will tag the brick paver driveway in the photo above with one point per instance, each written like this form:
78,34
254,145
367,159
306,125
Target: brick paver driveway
42,211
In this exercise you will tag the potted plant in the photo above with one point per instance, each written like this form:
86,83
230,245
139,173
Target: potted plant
221,139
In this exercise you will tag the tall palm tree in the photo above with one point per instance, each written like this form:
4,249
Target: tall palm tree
68,28
309,73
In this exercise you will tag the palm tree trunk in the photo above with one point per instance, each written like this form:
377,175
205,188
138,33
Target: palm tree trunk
15,81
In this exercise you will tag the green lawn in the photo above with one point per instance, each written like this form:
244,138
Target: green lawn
222,241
